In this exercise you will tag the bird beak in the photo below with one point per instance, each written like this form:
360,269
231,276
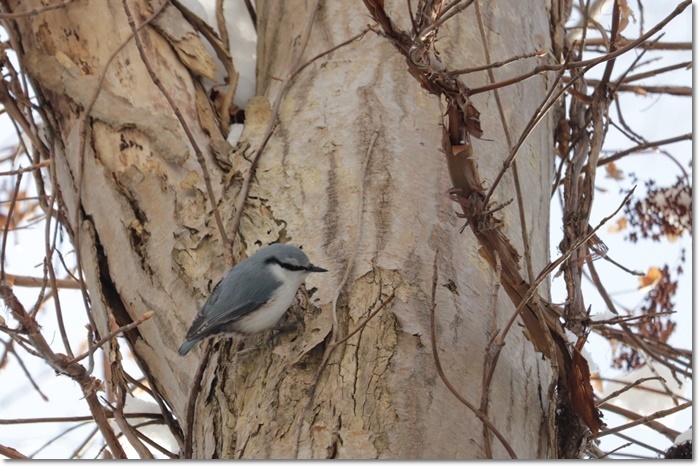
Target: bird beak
312,268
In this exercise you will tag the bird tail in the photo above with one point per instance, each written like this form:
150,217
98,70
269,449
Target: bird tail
187,346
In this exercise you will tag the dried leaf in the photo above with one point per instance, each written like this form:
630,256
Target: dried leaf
611,171
472,121
581,392
625,14
650,280
620,224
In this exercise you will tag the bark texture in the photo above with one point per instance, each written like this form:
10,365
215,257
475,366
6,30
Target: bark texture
149,242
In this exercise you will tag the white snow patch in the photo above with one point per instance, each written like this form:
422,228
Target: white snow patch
687,435
234,133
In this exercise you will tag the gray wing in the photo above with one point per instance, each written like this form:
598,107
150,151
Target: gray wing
243,290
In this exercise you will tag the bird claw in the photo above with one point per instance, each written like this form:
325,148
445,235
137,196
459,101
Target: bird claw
284,328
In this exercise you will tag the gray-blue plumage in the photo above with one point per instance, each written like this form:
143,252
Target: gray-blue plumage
253,295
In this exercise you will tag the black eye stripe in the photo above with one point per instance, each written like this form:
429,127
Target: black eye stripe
290,267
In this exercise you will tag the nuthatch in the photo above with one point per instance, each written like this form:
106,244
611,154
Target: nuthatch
253,295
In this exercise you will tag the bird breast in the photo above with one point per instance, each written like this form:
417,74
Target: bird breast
267,315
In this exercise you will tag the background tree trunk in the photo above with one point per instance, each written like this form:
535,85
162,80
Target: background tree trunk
148,240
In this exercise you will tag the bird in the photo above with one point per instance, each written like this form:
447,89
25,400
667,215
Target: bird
253,295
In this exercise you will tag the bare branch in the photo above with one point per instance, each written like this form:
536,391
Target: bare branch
146,316
365,321
27,281
23,170
643,90
646,419
626,388
464,71
11,453
188,430
651,45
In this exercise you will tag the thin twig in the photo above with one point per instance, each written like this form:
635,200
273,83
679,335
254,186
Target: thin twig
643,90
331,50
656,72
644,420
57,437
636,441
488,354
128,430
88,384
80,449
544,107
27,281
653,424
587,64
192,401
334,307
358,229
146,316
79,418
82,155
615,450
641,388
365,321
35,11
651,45
438,366
154,444
11,453
272,123
642,147
464,71
545,273
625,319
12,350
185,127
446,15
614,394
506,131
222,52
8,220
30,168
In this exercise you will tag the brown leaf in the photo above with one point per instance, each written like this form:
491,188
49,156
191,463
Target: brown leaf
472,121
621,224
625,14
581,392
652,278
611,171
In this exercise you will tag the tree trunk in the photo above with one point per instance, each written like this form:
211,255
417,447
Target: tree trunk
354,174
